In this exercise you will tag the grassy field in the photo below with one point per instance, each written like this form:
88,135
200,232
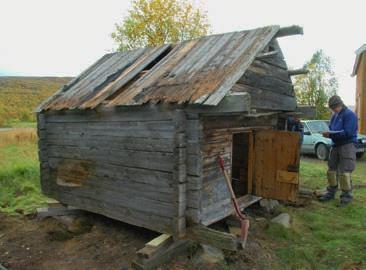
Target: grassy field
323,236
19,172
20,124
19,97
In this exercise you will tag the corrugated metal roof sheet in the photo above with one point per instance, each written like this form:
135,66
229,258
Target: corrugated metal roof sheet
199,71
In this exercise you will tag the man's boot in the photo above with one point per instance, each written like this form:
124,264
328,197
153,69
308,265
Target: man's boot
332,187
346,186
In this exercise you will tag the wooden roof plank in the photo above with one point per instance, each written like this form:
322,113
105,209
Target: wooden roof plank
215,98
132,71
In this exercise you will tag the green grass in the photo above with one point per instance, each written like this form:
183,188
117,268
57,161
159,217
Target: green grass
20,124
19,178
323,235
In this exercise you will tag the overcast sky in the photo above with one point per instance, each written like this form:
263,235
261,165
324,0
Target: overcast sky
62,38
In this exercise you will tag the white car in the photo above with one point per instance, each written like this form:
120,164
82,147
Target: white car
315,143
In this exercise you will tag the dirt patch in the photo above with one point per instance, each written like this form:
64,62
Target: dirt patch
29,243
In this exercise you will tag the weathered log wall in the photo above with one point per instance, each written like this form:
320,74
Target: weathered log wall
217,140
133,165
268,82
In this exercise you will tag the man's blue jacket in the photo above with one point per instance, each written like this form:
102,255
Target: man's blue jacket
346,122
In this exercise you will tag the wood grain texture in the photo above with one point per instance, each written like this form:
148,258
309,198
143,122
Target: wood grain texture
217,140
132,155
180,174
275,152
215,238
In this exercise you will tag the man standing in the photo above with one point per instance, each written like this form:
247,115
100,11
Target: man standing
342,158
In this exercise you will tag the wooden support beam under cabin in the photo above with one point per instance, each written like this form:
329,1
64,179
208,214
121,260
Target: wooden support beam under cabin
161,251
56,209
290,31
266,55
218,239
155,246
300,71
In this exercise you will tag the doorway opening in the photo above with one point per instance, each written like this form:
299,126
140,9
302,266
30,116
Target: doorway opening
240,163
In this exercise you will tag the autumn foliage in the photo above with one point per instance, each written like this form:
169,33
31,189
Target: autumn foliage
155,22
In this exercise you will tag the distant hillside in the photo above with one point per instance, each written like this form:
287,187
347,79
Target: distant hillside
19,96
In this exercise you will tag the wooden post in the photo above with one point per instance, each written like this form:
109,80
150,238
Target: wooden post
43,152
180,174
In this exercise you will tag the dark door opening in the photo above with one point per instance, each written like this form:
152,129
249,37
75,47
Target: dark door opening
240,170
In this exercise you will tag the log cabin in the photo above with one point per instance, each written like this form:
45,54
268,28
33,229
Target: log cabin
359,70
137,135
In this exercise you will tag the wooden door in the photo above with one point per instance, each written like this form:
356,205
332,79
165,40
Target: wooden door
276,164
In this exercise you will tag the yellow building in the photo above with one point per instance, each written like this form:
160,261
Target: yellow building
359,70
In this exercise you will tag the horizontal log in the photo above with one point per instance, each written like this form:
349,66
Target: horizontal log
212,162
300,71
135,159
214,191
156,161
264,99
140,217
231,103
158,129
215,238
267,82
242,122
126,189
129,201
266,54
116,114
276,62
262,68
157,179
290,31
111,143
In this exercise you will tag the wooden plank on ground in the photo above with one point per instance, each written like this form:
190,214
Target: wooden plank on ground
159,257
44,212
160,240
213,237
